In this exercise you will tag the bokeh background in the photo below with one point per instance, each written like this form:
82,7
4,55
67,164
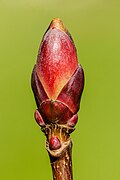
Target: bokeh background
95,28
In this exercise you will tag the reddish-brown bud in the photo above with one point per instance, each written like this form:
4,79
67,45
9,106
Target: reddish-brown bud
54,143
39,118
57,79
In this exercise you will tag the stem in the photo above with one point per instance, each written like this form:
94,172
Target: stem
62,166
61,158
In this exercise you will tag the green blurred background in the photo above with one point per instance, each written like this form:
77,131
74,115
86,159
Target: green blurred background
95,28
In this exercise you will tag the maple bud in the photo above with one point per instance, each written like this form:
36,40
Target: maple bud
57,78
57,83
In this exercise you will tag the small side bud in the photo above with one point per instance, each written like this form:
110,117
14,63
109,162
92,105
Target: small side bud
54,143
39,118
72,122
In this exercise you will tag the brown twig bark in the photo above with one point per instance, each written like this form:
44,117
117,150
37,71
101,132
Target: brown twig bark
62,166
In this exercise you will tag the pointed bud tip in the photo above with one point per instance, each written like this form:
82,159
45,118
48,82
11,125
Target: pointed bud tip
58,24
